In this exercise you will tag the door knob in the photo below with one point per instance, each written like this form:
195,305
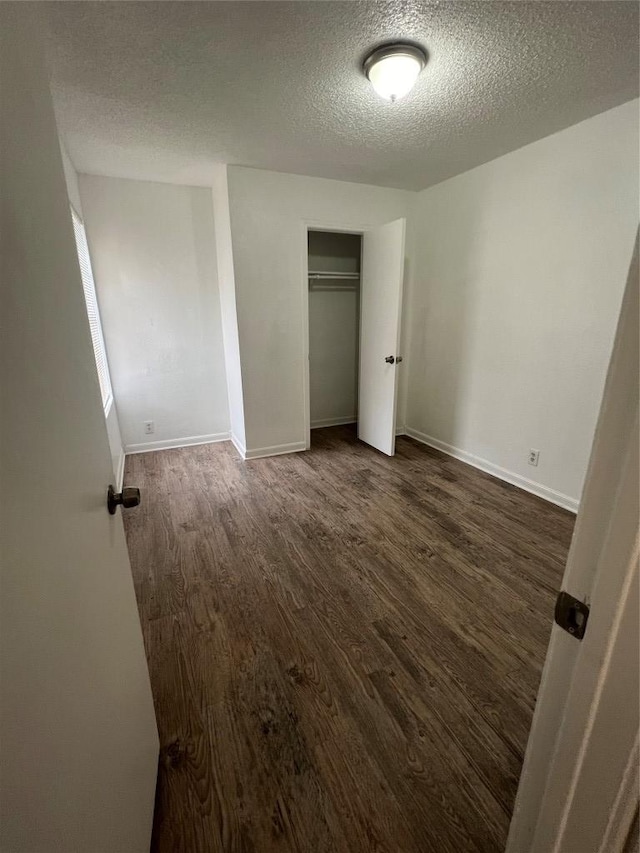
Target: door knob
398,359
390,359
126,498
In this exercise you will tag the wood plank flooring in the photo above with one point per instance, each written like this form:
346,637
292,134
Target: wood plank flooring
344,648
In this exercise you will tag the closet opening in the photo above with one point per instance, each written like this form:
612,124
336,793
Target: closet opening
334,266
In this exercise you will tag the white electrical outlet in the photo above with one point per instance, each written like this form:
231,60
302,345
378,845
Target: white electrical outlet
149,427
534,455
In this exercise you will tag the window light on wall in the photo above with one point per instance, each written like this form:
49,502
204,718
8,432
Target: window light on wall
93,312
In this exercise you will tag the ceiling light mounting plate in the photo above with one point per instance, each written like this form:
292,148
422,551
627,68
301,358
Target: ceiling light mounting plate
393,68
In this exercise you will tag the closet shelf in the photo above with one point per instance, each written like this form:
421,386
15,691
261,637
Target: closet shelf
324,275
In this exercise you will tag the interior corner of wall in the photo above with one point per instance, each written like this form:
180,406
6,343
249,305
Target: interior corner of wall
70,176
227,286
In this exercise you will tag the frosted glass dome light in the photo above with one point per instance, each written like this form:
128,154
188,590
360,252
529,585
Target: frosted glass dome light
394,68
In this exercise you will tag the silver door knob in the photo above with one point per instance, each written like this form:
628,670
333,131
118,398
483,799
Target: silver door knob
390,359
126,498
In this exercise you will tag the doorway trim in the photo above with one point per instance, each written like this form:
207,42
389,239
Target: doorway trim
357,228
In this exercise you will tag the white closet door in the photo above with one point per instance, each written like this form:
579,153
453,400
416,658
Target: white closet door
381,299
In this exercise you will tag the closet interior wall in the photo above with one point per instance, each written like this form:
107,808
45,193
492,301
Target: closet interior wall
334,327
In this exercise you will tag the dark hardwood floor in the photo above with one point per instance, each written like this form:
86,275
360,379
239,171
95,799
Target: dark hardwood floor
344,648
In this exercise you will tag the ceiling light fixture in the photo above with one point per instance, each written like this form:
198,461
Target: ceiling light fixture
394,68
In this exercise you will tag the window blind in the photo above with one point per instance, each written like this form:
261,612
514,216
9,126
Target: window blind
93,313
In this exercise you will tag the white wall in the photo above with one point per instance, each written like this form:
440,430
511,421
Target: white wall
228,314
268,210
519,271
153,252
333,356
334,321
111,415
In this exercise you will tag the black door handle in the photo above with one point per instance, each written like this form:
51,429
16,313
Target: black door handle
390,359
571,614
126,498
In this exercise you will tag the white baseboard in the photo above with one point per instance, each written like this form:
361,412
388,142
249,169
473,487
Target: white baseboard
239,446
328,422
120,471
276,450
538,489
172,443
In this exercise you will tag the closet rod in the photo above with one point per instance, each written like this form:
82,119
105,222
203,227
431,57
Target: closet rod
330,275
316,288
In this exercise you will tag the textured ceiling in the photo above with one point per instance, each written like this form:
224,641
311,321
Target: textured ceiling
162,90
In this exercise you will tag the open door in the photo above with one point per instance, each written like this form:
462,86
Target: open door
380,307
79,738
579,784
